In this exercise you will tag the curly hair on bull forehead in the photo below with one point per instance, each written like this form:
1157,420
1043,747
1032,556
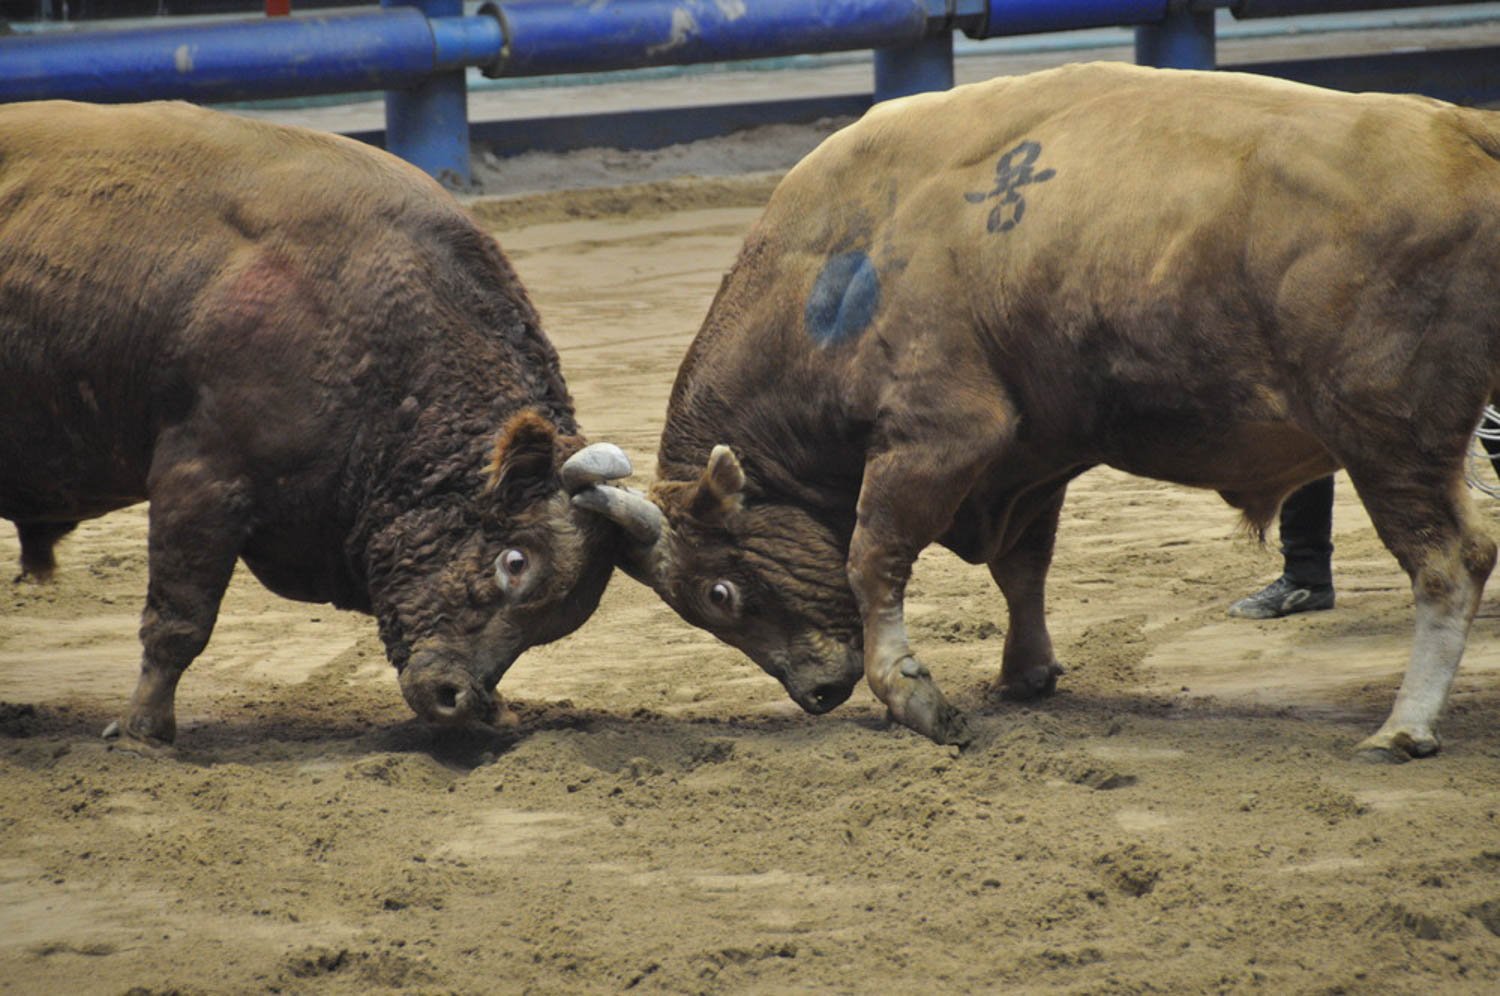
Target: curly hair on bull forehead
806,561
408,541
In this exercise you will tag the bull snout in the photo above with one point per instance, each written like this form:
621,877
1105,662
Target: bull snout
823,697
826,680
443,692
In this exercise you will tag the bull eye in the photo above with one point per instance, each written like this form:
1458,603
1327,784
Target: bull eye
722,596
511,564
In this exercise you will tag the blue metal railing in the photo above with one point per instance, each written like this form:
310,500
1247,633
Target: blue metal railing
546,38
237,60
418,50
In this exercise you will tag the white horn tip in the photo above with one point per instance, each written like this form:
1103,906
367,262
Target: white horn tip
595,464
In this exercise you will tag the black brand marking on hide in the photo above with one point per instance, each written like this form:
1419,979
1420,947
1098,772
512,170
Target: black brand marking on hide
844,299
1012,172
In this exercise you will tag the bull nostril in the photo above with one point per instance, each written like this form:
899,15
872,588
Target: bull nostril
826,697
447,697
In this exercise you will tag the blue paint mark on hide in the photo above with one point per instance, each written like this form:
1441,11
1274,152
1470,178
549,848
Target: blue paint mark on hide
844,299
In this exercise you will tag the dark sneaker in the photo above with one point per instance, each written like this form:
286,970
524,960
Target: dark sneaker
1282,598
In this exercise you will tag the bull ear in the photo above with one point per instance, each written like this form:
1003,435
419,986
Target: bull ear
525,457
721,488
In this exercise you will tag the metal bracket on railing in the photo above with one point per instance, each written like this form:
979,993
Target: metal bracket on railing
496,67
956,15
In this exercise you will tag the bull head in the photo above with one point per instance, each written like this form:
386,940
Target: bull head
767,578
550,564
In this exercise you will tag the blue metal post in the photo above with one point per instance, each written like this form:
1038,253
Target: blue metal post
427,124
916,68
1183,40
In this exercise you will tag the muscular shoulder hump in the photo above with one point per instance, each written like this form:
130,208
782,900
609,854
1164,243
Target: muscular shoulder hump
165,145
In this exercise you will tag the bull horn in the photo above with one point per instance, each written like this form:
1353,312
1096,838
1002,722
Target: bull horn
594,464
631,510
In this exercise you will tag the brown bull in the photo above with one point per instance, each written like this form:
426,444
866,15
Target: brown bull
304,355
957,305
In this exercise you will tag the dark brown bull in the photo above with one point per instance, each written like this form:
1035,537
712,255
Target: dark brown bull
304,355
959,304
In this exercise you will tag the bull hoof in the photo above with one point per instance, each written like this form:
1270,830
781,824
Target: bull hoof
1397,748
120,740
949,729
135,731
920,706
954,730
1037,683
1380,755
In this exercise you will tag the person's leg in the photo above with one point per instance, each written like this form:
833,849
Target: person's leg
1307,535
1306,582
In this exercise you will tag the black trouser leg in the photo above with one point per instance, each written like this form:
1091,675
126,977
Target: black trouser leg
1307,534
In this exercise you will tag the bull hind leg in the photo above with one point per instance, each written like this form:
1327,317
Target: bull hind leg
1427,523
38,540
1029,668
199,520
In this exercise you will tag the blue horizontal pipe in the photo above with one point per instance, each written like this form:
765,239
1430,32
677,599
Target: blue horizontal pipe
1023,17
399,47
546,37
242,60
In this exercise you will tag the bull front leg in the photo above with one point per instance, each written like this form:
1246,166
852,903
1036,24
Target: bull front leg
908,498
878,574
199,520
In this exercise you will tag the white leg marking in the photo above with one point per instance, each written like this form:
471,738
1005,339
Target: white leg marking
1442,629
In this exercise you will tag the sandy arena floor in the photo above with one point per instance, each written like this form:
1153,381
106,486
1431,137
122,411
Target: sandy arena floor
1183,816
